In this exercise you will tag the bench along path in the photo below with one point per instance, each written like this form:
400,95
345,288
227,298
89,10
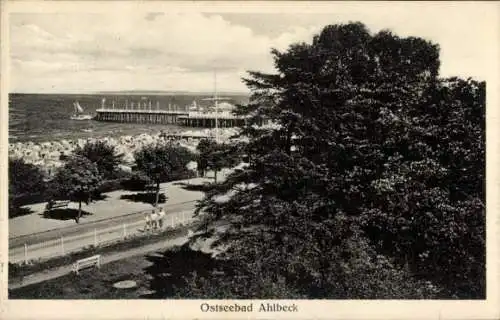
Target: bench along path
56,205
80,264
105,258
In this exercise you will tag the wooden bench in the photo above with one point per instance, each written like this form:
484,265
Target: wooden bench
56,204
86,263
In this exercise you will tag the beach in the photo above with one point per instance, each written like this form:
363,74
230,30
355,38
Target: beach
48,155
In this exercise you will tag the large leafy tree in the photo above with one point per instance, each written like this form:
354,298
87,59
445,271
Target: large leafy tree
24,179
370,147
204,148
104,155
216,156
162,162
77,181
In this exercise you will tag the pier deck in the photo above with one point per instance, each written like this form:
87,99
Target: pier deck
139,116
207,120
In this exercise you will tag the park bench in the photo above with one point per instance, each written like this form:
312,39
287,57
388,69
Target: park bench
56,204
86,263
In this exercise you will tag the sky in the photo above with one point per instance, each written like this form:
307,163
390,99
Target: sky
178,50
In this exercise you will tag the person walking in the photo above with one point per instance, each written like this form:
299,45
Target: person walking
161,216
154,219
147,218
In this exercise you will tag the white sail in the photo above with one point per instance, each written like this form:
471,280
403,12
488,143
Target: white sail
78,108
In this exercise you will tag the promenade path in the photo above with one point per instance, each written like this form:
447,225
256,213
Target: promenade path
111,207
107,258
35,237
53,247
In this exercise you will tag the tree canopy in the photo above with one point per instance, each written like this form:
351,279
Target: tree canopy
376,163
162,162
26,183
24,177
103,155
77,181
216,156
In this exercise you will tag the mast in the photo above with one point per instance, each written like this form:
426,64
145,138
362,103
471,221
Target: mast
216,108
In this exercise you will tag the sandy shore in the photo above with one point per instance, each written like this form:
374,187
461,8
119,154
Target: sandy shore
47,155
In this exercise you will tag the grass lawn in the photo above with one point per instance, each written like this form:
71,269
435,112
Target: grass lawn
162,270
92,284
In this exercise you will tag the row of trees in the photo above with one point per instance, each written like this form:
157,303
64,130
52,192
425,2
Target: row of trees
372,185
81,177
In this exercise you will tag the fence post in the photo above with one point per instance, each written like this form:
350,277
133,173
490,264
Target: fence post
95,237
62,245
25,253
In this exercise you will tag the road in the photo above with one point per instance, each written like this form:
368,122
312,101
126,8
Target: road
59,242
69,237
90,226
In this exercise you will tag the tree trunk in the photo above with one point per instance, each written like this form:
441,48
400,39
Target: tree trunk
79,212
157,193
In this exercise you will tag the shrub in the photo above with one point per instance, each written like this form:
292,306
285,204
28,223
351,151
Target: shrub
110,185
138,181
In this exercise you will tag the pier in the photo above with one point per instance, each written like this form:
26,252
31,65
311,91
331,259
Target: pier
210,120
139,116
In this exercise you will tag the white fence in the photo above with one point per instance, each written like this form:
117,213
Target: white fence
98,237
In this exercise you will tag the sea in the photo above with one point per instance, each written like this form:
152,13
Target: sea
46,117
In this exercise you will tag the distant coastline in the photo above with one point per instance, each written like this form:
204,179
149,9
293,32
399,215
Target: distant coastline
140,92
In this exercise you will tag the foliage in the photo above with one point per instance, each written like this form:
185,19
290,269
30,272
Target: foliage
204,148
103,155
109,186
355,272
26,183
77,181
24,177
369,144
216,156
161,162
138,181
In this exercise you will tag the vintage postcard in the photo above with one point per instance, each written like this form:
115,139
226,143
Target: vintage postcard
257,160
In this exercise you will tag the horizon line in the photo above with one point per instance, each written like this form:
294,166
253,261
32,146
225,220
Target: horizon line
135,91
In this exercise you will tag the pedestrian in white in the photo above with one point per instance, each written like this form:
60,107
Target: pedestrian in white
154,219
147,218
161,217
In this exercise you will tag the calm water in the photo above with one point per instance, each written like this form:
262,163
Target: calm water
46,117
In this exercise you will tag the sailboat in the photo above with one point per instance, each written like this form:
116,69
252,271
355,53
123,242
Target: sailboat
79,115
